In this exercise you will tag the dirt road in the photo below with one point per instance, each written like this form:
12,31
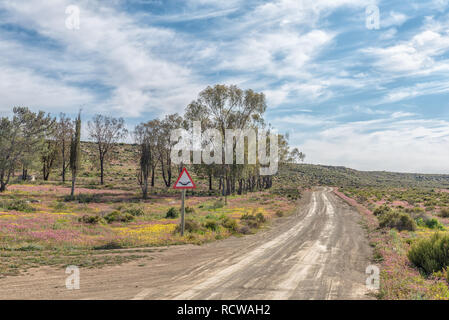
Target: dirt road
320,252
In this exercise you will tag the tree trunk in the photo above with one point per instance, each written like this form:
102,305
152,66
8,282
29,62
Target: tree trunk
169,177
46,173
145,189
73,184
63,161
102,171
152,177
210,183
2,182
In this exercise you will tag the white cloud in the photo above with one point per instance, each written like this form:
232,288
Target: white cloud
419,89
22,87
392,19
419,55
393,145
121,55
303,120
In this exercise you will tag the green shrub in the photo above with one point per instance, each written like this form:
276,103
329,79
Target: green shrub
245,230
398,220
434,224
260,217
416,210
83,198
117,216
18,205
420,222
135,211
109,246
90,219
431,255
211,225
58,205
172,213
190,225
250,220
189,210
247,216
444,213
382,210
230,224
29,247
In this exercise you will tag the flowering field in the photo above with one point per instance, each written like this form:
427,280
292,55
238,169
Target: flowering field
400,277
38,222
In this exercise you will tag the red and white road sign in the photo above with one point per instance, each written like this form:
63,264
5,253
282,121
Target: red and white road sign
184,181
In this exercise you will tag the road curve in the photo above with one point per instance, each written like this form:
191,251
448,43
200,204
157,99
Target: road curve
320,252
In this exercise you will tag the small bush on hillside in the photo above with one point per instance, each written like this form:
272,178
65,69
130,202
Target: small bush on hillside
83,198
382,210
135,211
260,218
398,220
434,224
109,246
247,216
230,224
117,216
18,205
416,210
420,222
253,221
190,225
58,205
211,225
90,219
190,210
431,255
444,213
244,230
172,213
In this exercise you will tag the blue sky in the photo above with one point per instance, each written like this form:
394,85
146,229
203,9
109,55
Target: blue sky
370,99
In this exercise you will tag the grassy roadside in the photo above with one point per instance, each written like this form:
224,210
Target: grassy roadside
41,226
400,277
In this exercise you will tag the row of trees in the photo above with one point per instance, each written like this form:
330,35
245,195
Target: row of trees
220,107
30,137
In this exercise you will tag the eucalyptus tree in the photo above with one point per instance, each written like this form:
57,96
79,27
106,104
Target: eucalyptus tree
229,107
105,132
64,131
75,152
21,138
164,145
146,136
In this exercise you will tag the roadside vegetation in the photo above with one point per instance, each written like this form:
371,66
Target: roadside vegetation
408,229
101,202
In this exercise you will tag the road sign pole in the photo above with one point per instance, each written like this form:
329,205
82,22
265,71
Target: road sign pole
183,212
184,182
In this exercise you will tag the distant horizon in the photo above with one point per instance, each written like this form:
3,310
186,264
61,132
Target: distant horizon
325,165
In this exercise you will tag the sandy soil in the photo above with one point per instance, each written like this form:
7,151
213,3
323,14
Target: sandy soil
320,252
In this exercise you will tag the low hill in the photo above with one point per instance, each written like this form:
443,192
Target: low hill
308,174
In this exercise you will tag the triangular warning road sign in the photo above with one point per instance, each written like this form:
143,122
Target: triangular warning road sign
184,181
